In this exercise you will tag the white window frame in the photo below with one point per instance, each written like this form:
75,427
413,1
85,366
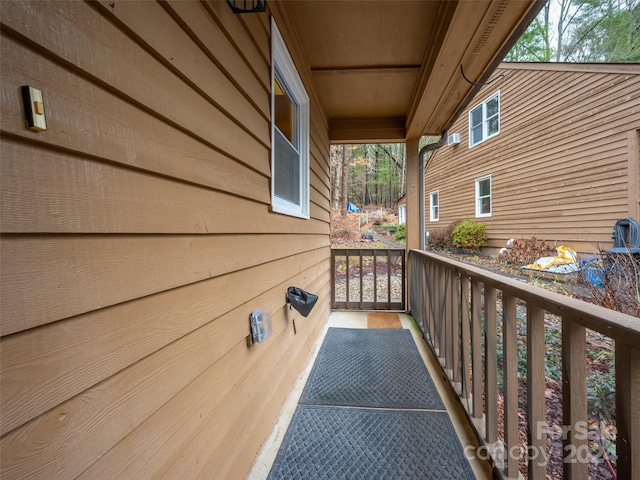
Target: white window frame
287,73
432,217
485,121
402,214
479,212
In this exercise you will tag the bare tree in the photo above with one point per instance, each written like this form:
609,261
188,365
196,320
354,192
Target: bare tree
345,164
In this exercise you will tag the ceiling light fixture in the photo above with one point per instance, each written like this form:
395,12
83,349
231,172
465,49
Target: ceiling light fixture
248,6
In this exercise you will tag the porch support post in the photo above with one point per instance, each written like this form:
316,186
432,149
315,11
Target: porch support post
413,204
413,195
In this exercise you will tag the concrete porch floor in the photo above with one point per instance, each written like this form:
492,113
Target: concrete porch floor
267,454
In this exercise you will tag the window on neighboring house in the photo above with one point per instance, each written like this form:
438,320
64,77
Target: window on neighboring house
484,120
434,210
290,133
483,197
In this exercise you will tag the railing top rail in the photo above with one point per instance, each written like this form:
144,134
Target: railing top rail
374,251
611,323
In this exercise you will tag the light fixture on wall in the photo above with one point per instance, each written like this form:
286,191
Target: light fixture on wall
248,6
453,139
301,300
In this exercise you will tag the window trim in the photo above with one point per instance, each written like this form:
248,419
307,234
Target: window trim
282,62
432,217
485,123
479,213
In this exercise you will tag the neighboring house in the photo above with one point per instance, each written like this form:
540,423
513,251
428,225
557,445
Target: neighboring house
550,150
402,209
149,219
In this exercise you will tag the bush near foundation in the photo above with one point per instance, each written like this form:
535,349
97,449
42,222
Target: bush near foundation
401,233
441,237
469,235
524,251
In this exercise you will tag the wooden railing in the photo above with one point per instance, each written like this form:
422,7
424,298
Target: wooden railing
368,279
460,310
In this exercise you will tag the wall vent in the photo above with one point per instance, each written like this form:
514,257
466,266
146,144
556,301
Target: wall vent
453,139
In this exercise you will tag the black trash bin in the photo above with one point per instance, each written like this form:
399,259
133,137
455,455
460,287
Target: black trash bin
623,260
626,237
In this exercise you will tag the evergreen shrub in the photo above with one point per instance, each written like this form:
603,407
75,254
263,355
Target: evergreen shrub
401,233
469,235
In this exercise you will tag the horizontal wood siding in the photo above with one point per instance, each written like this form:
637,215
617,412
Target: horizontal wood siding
560,166
137,238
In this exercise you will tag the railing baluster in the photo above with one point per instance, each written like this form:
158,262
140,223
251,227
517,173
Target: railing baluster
431,306
476,348
455,325
422,290
375,279
510,383
574,399
448,323
491,364
466,336
361,280
535,393
347,282
627,411
333,279
388,280
443,312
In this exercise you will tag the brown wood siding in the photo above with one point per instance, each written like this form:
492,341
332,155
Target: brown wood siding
559,166
137,238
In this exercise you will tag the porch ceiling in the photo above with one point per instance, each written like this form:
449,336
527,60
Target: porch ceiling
389,70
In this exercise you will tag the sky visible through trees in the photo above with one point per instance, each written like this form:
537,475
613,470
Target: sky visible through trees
582,31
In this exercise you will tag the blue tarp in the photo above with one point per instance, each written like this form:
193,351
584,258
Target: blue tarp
352,208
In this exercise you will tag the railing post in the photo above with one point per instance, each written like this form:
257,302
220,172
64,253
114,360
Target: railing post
535,393
403,282
627,410
510,383
574,400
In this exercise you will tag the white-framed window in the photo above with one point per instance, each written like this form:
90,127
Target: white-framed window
289,133
402,214
434,206
484,120
483,196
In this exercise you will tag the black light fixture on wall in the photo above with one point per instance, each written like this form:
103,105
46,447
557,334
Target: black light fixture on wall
248,6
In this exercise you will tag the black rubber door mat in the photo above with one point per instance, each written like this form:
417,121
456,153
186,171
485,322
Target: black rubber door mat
357,443
370,368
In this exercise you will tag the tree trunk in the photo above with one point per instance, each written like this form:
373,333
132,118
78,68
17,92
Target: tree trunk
375,179
345,164
366,196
